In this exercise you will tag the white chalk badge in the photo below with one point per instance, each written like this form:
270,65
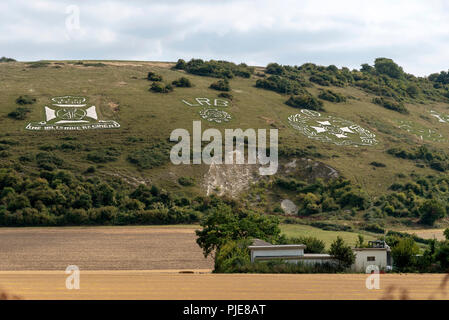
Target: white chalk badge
331,129
71,113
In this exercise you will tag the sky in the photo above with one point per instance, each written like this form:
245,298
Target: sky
414,33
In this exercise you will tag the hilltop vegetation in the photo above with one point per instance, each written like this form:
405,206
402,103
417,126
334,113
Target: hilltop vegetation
92,176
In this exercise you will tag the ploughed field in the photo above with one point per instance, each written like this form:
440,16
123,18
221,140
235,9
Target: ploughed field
100,248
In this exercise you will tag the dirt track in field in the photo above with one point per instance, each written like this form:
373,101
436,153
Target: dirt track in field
100,248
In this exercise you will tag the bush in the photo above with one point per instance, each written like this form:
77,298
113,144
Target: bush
313,245
103,156
161,88
20,113
391,105
331,96
404,253
180,65
279,84
214,68
388,67
274,68
342,252
186,181
225,95
5,59
431,210
151,157
182,82
221,85
378,164
305,101
23,100
154,77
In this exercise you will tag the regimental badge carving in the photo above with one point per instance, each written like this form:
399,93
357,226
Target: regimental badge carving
331,129
71,113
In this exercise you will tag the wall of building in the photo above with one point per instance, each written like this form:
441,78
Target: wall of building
276,253
361,259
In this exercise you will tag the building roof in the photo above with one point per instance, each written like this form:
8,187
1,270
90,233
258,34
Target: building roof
278,247
258,242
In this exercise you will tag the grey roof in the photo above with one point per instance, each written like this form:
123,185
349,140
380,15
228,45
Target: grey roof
258,242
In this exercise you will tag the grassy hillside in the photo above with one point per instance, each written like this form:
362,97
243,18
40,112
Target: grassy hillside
137,152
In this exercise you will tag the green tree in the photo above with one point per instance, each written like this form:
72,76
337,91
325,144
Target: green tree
404,253
442,256
360,243
388,67
446,233
342,252
431,210
221,225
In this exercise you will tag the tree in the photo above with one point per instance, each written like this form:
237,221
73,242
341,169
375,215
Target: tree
388,67
404,253
306,101
431,210
313,245
442,256
221,85
274,68
342,252
182,82
360,243
222,225
446,233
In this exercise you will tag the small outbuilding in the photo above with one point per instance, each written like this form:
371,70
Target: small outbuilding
377,253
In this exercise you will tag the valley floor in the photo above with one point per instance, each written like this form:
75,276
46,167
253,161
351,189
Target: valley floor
165,263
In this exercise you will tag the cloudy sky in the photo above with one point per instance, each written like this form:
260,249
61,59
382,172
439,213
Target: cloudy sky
415,33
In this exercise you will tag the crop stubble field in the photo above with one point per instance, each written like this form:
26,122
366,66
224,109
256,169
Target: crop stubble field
151,263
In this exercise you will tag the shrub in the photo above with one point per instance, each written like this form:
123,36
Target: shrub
151,157
5,59
331,96
305,101
342,252
279,84
48,161
313,245
103,156
22,100
388,67
274,68
161,88
186,181
180,65
221,85
225,95
20,113
391,105
214,68
154,77
431,210
404,253
182,82
378,164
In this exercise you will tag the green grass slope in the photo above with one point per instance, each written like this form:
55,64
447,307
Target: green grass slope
137,151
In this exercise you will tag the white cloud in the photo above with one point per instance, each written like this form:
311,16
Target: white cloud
350,32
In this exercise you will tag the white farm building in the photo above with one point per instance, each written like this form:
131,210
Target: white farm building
376,254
